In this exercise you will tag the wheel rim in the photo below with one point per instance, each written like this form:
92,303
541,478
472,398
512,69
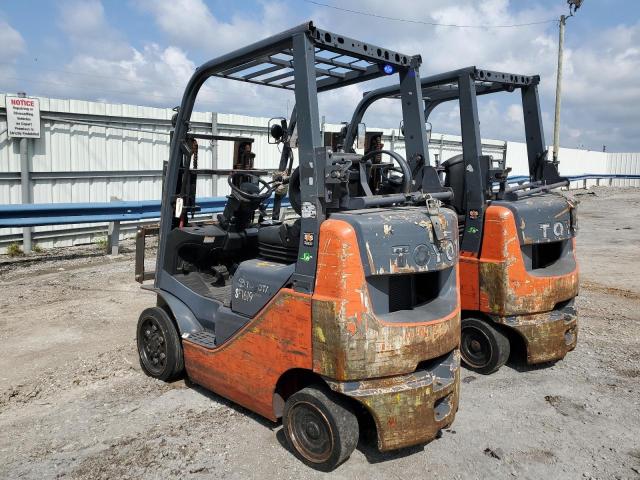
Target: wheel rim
476,347
153,346
310,432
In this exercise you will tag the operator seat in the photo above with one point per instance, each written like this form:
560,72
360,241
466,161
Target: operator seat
280,242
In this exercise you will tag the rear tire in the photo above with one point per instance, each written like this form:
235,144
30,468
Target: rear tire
483,347
320,427
159,345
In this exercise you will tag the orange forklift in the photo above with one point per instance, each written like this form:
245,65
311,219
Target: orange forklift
519,275
345,318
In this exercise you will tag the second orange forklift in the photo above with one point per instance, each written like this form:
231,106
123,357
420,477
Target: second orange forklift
518,269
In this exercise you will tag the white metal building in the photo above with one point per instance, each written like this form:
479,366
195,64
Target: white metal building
93,152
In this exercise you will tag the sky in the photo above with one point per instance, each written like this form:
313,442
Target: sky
144,51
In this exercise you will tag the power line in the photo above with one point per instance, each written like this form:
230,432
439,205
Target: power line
422,22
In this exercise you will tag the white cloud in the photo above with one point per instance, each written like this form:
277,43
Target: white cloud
187,22
87,28
104,66
514,113
190,24
152,76
601,90
12,42
13,46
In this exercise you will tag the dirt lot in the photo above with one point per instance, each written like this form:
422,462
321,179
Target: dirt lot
75,404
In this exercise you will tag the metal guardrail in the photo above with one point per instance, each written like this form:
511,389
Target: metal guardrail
32,215
586,176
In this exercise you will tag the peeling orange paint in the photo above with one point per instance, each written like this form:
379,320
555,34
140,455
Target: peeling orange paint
375,348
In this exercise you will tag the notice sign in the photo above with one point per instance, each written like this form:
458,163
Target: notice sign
23,117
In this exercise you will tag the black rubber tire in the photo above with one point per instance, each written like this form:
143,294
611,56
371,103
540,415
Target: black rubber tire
491,348
325,414
161,344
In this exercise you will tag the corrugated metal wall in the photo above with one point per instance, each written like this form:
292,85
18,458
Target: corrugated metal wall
624,163
79,159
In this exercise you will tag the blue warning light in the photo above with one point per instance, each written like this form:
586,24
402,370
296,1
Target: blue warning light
388,69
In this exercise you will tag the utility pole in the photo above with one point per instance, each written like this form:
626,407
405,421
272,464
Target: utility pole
573,6
556,121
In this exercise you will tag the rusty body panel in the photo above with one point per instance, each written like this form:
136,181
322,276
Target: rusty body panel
409,409
549,336
350,343
506,287
499,285
367,348
259,354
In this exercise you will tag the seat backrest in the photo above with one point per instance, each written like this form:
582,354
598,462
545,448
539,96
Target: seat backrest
454,169
280,242
454,178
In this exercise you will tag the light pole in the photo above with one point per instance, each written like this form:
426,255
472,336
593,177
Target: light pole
573,6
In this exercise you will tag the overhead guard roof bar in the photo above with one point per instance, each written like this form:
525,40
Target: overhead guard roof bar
358,61
443,87
485,80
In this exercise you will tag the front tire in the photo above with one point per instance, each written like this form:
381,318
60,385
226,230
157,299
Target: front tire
159,345
320,427
483,347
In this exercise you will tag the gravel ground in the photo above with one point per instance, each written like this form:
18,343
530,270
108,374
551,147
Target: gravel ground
75,404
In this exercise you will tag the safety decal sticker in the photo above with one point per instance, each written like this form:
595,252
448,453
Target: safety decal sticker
308,239
308,210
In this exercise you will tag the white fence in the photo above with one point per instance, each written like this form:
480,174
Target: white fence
93,152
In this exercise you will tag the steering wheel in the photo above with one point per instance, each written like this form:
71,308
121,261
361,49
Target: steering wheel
263,191
405,182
